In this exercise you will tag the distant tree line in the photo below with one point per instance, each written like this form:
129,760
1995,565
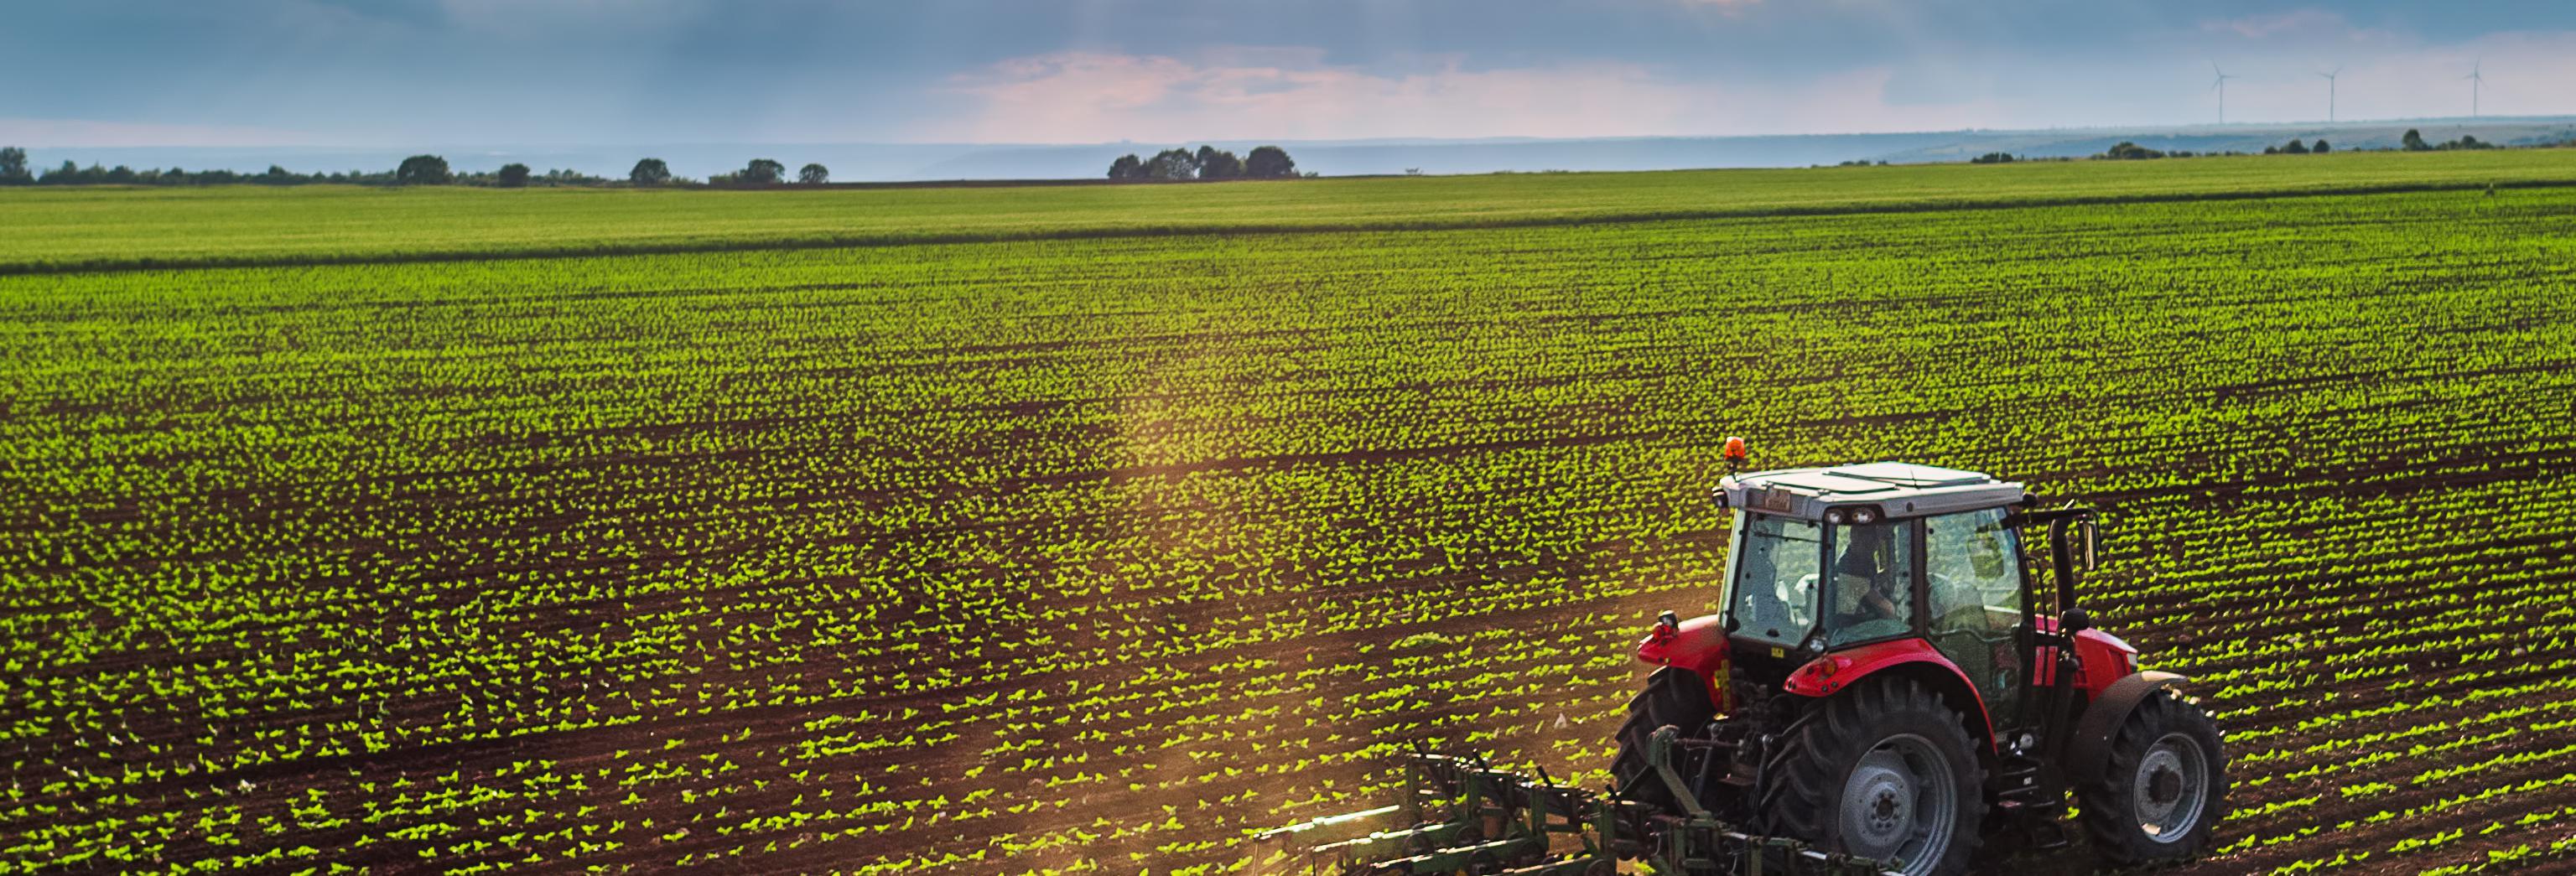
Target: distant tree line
2127,151
1208,163
2009,158
2414,142
760,172
2294,147
417,170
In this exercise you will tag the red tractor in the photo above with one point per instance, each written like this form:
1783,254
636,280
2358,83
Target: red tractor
1898,674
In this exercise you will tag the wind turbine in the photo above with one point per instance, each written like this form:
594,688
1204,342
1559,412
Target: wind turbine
2221,87
2330,93
2476,79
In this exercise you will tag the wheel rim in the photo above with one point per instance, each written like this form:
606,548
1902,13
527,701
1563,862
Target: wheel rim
1900,804
2171,788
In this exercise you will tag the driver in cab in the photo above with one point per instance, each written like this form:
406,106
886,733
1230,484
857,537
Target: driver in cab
1865,577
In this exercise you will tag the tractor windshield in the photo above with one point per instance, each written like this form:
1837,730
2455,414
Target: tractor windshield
1772,596
1781,591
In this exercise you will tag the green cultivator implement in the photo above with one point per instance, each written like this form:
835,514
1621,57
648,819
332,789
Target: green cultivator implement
1900,681
1463,815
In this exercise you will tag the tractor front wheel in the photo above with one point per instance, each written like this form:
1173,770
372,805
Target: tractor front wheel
2164,788
1884,771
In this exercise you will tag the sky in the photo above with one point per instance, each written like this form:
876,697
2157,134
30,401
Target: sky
426,72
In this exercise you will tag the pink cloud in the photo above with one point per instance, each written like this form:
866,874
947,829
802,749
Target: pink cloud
1293,94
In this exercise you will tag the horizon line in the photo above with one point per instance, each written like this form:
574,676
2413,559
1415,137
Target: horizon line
1390,140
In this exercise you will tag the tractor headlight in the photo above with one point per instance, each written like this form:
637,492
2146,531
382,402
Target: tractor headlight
1836,516
1864,516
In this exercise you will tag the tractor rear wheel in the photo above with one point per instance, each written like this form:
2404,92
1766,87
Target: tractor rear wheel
1672,697
1884,770
2164,788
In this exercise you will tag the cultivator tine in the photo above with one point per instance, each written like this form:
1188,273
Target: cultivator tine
1710,847
1457,859
1309,837
1461,814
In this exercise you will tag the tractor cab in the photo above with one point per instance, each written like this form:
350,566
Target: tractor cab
1834,552
1827,560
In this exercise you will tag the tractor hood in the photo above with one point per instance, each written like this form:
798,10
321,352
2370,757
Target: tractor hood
1896,490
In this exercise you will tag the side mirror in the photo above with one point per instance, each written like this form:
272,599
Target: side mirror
2091,536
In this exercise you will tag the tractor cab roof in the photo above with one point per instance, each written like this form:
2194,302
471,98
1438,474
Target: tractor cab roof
1893,489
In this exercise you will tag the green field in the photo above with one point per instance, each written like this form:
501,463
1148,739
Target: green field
45,229
1100,551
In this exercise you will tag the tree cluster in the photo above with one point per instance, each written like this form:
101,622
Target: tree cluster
1994,158
760,172
2126,150
2414,142
2294,147
1208,163
423,170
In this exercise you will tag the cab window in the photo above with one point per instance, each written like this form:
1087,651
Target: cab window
1975,573
1974,580
1870,594
1774,596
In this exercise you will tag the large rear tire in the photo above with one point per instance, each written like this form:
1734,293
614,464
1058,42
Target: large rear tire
1672,698
1884,770
2164,789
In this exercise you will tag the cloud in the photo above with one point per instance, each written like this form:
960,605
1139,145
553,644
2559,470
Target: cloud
2300,22
414,72
57,133
2394,77
567,19
1293,94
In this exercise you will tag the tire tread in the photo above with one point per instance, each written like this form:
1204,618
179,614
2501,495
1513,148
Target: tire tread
2108,823
1672,697
1806,776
